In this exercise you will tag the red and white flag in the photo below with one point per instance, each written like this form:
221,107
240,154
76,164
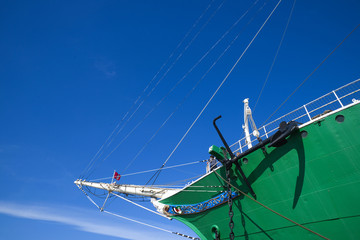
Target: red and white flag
117,176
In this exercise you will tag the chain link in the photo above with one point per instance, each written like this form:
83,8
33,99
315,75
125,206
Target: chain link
231,213
217,235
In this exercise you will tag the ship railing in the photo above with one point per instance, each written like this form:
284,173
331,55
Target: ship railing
334,100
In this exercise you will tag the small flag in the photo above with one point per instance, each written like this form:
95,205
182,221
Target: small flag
117,176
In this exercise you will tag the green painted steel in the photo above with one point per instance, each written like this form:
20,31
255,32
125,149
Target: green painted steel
314,180
219,152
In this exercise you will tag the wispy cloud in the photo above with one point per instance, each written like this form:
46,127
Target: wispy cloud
106,67
80,219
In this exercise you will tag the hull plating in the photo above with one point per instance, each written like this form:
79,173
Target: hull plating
314,180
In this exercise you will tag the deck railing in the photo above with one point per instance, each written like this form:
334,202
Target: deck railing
336,99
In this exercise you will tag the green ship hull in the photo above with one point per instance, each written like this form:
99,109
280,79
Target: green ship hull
314,180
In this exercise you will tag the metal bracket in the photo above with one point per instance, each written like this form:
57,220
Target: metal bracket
228,163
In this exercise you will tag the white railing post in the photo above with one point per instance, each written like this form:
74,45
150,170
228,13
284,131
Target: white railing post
307,112
347,91
338,99
265,132
240,146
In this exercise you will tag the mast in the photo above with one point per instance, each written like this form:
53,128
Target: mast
247,117
139,190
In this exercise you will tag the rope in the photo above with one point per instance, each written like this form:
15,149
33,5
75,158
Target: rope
148,225
147,209
183,235
182,181
192,40
276,54
180,43
162,77
198,82
153,170
298,224
98,179
98,154
88,197
224,80
307,78
146,171
132,220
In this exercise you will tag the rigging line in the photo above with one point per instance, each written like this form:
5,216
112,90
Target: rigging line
215,62
93,192
132,130
211,48
146,171
153,170
148,225
163,76
112,137
132,220
90,164
148,85
184,180
173,88
206,191
195,86
307,78
156,175
276,54
307,223
224,80
187,46
180,43
136,204
112,198
80,187
298,224
98,179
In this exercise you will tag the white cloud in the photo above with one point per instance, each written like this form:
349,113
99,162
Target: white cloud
106,67
82,220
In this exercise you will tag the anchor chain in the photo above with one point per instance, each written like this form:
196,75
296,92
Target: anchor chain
217,235
231,213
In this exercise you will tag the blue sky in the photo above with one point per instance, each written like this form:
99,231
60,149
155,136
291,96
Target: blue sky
71,70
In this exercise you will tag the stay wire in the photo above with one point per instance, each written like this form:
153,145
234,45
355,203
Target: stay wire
288,219
148,225
307,78
276,54
224,80
197,83
181,42
171,66
171,90
138,205
148,85
153,170
97,155
156,175
133,220
188,45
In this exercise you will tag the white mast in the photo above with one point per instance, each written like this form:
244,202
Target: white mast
146,191
247,117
